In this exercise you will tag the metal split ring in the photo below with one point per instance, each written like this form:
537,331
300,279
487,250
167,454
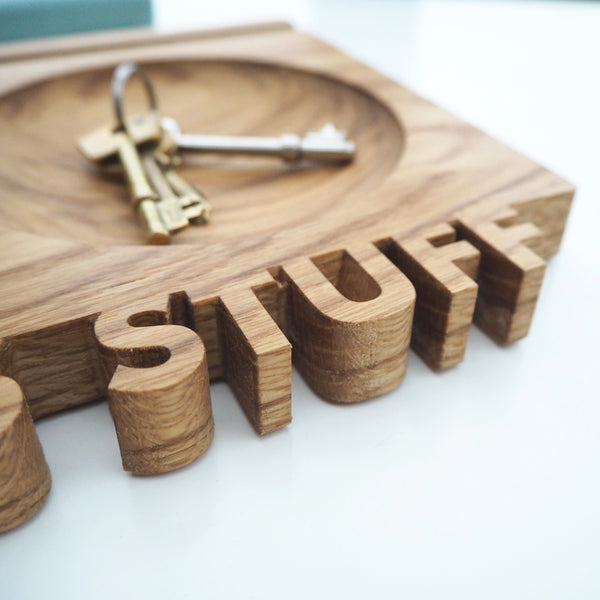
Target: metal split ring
121,76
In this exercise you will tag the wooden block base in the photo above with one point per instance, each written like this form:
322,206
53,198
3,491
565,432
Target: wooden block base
434,225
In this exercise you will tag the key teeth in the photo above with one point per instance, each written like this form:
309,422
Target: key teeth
197,212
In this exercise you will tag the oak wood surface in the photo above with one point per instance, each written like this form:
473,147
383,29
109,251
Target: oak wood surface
433,218
24,474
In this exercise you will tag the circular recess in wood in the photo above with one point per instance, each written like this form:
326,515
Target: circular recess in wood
49,189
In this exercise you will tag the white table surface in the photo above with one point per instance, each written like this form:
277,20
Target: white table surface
481,482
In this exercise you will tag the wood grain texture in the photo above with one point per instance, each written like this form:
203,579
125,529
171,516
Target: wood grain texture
433,219
158,392
258,360
24,474
510,276
354,300
443,272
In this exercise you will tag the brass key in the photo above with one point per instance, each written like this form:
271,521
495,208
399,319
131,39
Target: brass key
146,199
165,202
146,147
193,202
107,147
169,205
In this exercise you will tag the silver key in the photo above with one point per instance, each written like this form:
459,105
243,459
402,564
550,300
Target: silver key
325,145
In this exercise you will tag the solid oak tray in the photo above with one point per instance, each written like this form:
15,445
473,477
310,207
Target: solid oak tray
434,225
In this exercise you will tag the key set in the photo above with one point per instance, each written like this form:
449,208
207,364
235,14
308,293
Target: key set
147,148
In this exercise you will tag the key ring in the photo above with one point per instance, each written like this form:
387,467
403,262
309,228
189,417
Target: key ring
121,76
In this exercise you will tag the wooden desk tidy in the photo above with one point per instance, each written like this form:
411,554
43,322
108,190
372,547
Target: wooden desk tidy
433,225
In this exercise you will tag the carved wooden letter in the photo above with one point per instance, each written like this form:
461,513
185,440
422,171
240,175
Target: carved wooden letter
24,474
443,272
159,395
510,276
257,360
349,319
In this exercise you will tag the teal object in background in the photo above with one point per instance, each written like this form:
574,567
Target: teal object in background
21,19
